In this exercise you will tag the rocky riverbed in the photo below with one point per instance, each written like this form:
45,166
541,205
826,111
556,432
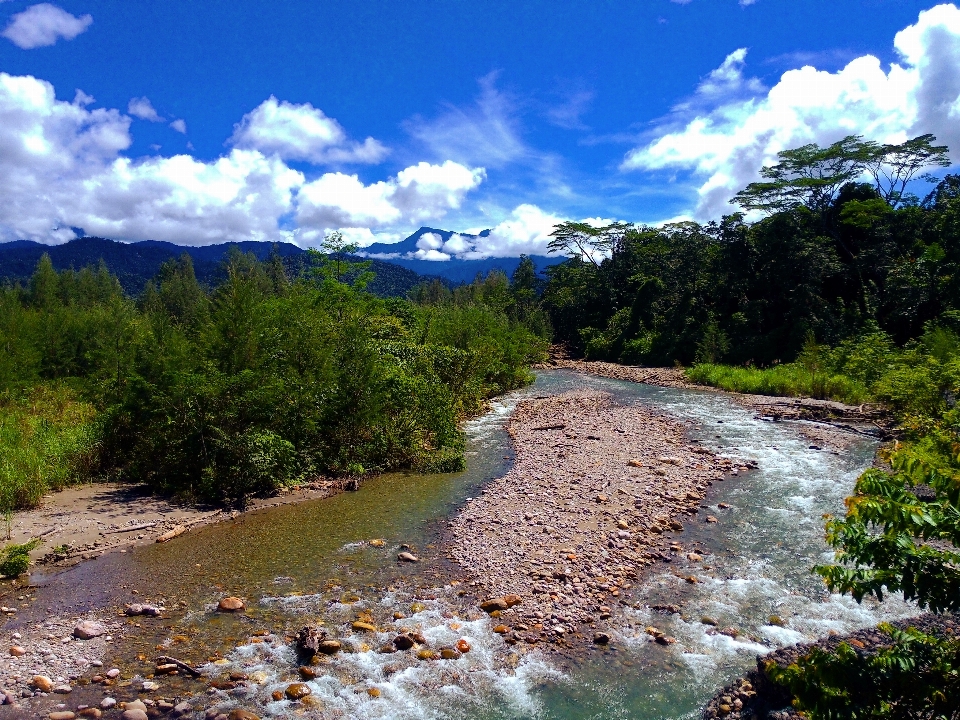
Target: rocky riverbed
594,492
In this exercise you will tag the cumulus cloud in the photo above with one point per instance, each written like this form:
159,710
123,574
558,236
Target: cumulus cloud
725,142
301,132
142,108
179,125
42,25
417,193
62,166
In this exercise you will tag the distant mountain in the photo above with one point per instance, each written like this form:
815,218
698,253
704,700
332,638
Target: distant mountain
397,271
135,264
456,270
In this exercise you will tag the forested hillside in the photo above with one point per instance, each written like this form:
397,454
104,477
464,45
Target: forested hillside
135,264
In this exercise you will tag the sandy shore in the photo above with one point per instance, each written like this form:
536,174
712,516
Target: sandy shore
80,523
593,493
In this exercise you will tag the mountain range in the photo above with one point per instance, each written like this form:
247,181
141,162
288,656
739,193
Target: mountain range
396,268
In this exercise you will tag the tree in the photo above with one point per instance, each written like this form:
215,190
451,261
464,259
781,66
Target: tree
894,166
809,175
585,241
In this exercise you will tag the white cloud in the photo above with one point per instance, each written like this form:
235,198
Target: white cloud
42,25
142,108
81,99
725,145
301,132
179,125
418,193
62,166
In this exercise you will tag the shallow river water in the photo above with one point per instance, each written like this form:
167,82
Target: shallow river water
312,562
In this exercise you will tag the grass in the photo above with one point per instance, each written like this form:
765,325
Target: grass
48,439
789,380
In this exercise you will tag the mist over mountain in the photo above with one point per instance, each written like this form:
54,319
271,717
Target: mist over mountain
431,251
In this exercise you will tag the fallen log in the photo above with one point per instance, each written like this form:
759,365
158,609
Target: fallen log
171,534
130,529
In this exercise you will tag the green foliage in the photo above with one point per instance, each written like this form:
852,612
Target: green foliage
915,676
48,439
16,558
834,257
255,384
789,380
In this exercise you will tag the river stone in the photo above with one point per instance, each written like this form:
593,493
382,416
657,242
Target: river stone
231,604
403,642
238,714
408,557
134,714
363,626
41,683
113,673
449,653
463,646
494,604
91,712
601,638
183,708
61,715
63,689
107,703
308,640
329,647
87,629
297,691
137,705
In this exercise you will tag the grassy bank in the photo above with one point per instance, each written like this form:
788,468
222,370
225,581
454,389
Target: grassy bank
790,380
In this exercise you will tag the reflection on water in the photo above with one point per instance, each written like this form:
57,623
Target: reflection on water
312,562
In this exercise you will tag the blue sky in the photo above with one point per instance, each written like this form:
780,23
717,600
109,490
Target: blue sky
213,121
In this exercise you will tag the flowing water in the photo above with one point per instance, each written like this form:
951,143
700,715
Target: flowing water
313,563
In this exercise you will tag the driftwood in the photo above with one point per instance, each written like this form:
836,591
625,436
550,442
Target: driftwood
171,534
559,426
167,660
130,529
47,532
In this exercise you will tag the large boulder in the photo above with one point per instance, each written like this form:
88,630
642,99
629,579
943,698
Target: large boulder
87,629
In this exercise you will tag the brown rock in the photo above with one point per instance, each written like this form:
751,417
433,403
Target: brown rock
361,626
238,714
276,695
373,692
134,714
463,646
61,715
601,638
501,629
231,604
403,642
711,519
18,651
493,604
297,691
307,672
87,629
512,600
41,683
91,712
449,653
635,463
665,640
329,647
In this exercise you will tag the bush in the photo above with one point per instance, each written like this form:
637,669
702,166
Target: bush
16,558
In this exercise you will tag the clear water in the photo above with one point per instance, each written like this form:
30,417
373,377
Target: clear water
311,562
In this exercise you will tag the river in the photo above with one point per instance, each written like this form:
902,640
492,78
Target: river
312,562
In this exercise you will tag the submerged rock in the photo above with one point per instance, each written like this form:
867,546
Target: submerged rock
407,557
297,691
231,604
